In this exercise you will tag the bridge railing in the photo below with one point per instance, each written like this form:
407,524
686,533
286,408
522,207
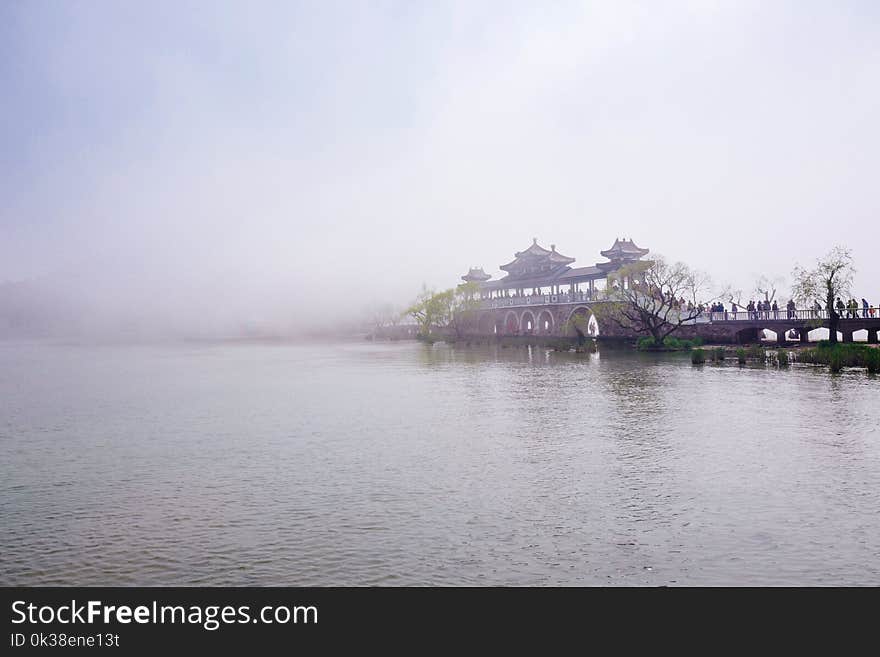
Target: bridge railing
537,299
871,312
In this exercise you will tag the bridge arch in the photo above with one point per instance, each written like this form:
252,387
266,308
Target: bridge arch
748,334
545,322
511,323
527,324
582,323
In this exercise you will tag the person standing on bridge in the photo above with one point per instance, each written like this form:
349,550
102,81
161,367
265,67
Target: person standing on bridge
840,307
775,310
865,306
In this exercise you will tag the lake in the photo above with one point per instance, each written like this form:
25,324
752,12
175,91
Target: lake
357,463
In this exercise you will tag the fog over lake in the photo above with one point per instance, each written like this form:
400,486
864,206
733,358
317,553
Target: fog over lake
205,207
191,169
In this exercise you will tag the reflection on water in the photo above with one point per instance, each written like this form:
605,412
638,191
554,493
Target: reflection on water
406,464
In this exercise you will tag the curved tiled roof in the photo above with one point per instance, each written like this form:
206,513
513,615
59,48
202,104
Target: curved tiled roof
476,274
537,253
623,248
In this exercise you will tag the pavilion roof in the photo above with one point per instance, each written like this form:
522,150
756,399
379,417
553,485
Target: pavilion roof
624,249
537,253
476,274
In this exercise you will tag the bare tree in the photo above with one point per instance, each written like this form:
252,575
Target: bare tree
765,286
732,295
383,315
829,280
655,298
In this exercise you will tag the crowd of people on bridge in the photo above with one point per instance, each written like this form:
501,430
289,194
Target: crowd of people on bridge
767,309
716,311
850,309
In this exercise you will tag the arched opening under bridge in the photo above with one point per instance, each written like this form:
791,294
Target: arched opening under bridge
511,323
582,324
545,323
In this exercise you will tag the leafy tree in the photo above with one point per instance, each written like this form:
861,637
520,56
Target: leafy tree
424,310
450,309
645,297
463,301
830,279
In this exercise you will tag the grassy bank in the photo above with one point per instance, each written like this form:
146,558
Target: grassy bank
842,354
670,343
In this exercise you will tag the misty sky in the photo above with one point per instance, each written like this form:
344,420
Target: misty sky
180,157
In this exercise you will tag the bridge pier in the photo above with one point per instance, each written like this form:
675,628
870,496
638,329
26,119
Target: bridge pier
805,335
780,337
748,335
847,336
872,336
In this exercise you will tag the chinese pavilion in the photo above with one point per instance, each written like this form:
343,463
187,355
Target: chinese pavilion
536,269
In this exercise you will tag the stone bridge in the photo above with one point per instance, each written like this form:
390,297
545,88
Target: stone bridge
550,316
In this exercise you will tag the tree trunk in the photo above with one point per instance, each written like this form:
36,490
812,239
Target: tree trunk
833,318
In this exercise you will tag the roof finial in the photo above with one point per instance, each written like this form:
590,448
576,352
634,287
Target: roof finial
553,247
534,240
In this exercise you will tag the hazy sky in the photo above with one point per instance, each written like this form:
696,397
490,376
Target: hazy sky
256,156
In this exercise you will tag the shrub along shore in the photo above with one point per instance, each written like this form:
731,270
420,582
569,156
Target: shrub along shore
836,356
843,354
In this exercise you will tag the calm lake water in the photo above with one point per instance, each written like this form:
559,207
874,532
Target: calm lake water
396,463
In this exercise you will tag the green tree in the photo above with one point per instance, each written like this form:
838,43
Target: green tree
424,310
450,310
